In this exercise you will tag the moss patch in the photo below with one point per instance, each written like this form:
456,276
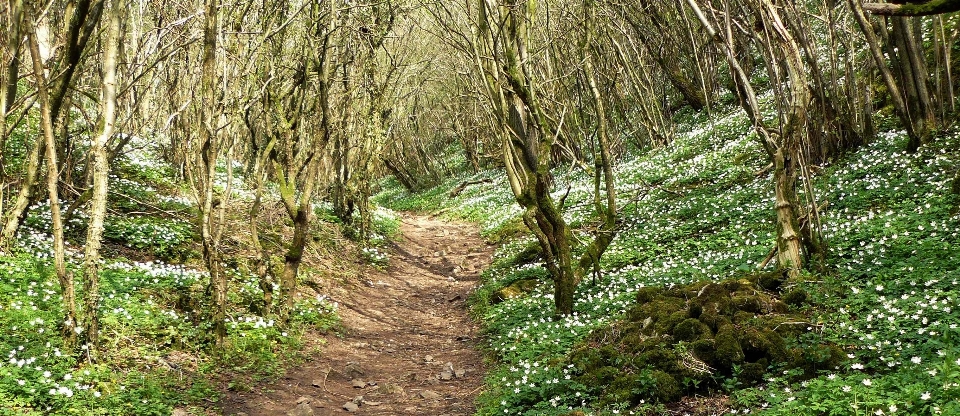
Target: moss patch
690,339
516,289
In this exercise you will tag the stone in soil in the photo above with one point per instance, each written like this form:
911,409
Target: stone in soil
302,409
430,395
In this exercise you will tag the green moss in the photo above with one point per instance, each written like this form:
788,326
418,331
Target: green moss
779,307
712,293
705,350
516,289
667,388
690,329
695,310
621,390
747,303
728,347
768,280
661,358
735,327
712,319
743,317
667,325
647,294
795,297
758,344
751,373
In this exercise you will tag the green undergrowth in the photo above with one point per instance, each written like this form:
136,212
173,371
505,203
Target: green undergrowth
699,214
157,351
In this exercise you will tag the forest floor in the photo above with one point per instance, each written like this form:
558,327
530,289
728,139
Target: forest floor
408,347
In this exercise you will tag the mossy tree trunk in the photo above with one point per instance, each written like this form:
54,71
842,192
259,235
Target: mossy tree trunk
530,136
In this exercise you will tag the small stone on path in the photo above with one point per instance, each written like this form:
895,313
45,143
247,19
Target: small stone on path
358,384
353,370
430,395
302,409
351,407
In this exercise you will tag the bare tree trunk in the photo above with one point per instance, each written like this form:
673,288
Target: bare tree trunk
209,152
101,170
26,194
899,104
10,67
66,280
83,19
782,144
603,165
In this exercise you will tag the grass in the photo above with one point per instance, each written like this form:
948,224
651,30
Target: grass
696,210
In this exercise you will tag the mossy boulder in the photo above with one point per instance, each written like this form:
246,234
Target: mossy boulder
705,350
728,347
647,294
758,344
747,303
770,280
690,330
516,289
751,373
667,387
698,332
795,297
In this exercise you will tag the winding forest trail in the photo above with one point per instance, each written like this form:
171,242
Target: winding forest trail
409,348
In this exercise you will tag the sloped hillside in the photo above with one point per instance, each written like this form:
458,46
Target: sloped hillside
878,321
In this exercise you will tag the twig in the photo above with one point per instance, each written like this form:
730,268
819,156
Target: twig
763,264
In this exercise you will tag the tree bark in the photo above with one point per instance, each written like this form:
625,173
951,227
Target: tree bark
10,67
921,8
207,158
899,104
46,123
83,20
101,170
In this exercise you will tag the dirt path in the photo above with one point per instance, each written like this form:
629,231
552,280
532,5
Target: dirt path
409,346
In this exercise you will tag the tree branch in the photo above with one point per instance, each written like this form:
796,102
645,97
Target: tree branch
923,8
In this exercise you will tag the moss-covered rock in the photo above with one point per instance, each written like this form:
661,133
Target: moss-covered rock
690,329
751,373
667,387
768,280
695,310
705,350
795,297
667,325
713,319
647,294
747,303
729,351
516,289
735,328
